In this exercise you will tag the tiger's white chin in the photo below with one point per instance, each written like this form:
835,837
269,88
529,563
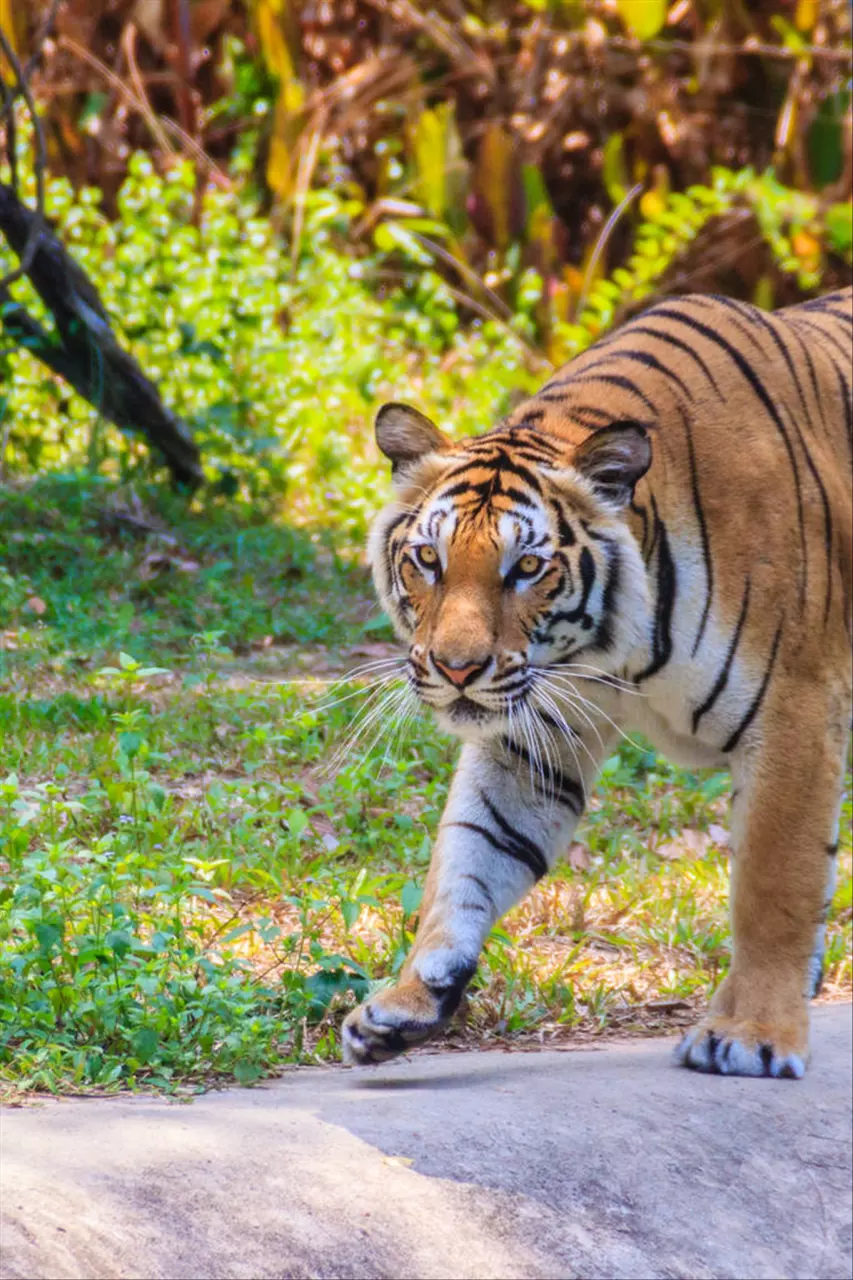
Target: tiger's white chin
472,723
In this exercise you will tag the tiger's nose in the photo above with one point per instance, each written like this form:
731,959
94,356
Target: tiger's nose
460,674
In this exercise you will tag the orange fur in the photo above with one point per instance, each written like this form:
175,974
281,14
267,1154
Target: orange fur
681,498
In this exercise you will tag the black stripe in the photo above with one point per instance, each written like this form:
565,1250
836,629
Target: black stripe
531,849
511,687
482,886
586,565
846,399
532,416
754,706
641,512
672,341
759,318
524,473
518,496
566,790
625,384
510,851
827,520
609,379
645,358
703,531
565,532
807,356
662,637
723,678
823,333
746,369
604,631
832,849
402,518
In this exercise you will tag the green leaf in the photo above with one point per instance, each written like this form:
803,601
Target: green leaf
381,622
130,743
350,912
839,227
643,18
613,171
48,936
119,942
391,236
127,663
825,139
297,821
246,1072
410,898
145,1042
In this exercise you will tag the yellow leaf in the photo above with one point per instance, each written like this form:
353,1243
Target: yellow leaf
437,153
10,21
643,18
279,169
806,15
494,178
652,205
398,1162
271,23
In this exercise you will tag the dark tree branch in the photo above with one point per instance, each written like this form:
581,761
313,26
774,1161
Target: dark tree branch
84,351
87,353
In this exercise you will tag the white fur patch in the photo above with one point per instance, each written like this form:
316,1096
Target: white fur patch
728,1056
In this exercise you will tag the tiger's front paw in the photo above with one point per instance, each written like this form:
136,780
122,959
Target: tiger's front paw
732,1047
401,1017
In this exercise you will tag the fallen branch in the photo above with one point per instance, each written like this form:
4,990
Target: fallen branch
84,350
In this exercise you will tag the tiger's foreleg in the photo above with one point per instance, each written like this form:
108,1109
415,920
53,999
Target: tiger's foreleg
790,784
502,829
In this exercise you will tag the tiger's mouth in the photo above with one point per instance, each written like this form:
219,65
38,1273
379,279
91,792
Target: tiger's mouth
469,718
465,710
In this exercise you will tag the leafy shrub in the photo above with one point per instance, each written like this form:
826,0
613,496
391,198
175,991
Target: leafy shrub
277,369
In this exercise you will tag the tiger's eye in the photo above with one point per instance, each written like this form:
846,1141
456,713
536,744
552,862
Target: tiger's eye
528,565
427,556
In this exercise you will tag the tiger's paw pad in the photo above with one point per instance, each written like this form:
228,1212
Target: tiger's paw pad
739,1051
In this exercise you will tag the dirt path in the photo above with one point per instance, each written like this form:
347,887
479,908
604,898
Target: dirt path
602,1163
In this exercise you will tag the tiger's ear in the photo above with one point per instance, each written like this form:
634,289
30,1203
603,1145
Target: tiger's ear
613,459
404,435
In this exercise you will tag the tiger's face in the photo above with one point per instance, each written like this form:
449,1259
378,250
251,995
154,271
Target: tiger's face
503,564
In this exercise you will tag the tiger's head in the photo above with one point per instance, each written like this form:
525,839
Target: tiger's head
506,558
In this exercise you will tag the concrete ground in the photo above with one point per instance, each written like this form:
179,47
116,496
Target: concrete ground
608,1162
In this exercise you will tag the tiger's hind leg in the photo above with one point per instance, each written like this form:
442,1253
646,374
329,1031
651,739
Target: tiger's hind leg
816,962
790,777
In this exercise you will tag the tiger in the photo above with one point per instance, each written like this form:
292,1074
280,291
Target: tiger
657,541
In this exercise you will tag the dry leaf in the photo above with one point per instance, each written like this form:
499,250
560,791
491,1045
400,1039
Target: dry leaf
398,1162
578,857
719,835
36,605
689,844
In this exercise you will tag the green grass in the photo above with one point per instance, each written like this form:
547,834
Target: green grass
190,889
